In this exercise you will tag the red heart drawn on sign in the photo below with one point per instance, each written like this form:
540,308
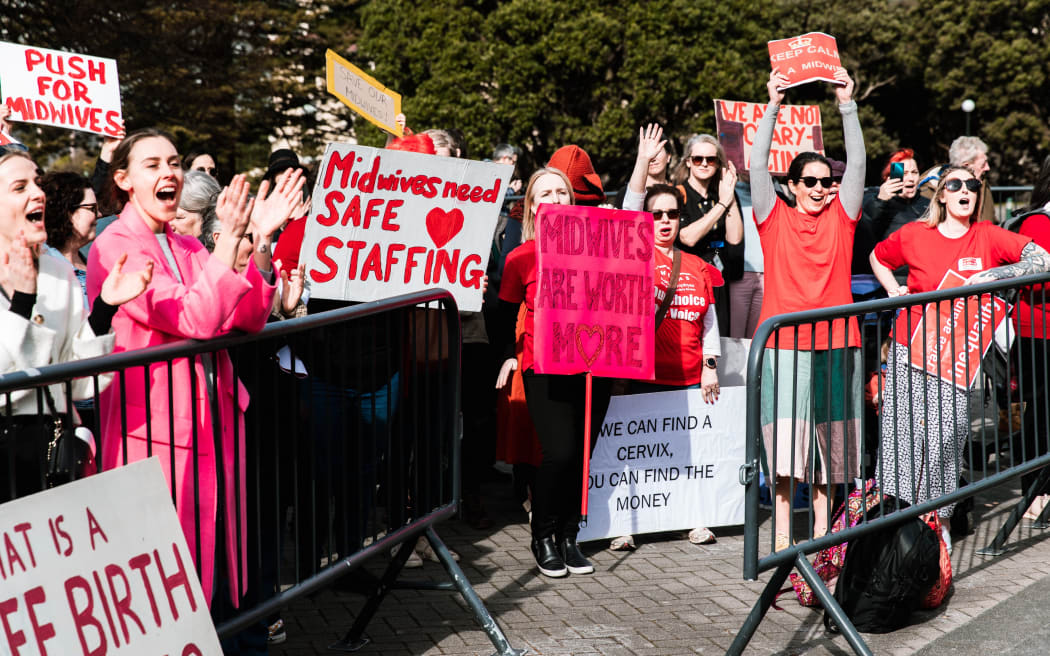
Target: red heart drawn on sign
442,226
583,344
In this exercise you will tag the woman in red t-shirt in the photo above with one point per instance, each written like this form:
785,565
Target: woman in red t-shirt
687,336
925,420
811,399
556,403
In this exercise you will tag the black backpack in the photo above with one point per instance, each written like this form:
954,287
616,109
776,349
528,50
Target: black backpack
887,573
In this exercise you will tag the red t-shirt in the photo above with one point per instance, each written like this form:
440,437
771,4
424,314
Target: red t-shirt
929,255
807,264
286,252
1031,313
518,285
679,339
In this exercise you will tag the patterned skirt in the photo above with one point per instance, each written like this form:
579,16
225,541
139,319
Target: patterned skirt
924,425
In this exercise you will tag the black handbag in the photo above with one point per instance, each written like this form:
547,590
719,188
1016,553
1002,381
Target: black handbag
68,456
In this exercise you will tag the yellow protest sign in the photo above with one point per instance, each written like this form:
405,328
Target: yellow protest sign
362,93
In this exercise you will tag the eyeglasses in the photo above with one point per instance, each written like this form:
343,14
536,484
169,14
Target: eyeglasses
955,184
671,214
697,160
92,207
811,181
209,170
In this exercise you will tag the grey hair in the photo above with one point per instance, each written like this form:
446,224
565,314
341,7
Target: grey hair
199,192
964,149
505,150
209,226
681,170
441,139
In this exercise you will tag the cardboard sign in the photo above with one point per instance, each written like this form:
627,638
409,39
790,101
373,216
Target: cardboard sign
665,462
951,339
807,58
100,566
50,87
595,308
362,93
798,130
386,222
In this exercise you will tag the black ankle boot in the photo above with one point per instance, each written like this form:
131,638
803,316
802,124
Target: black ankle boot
575,561
548,557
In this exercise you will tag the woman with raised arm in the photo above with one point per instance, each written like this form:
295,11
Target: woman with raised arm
807,251
43,321
925,420
195,295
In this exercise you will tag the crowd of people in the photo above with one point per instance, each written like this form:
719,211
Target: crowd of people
182,256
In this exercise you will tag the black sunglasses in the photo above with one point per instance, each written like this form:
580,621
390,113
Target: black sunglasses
811,181
955,184
697,160
671,214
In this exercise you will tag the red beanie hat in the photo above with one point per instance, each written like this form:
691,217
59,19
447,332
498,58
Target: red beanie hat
574,162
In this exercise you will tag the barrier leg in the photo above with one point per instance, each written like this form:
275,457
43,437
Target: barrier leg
998,545
481,614
831,606
354,638
758,611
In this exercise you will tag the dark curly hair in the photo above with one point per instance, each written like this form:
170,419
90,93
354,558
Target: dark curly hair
64,192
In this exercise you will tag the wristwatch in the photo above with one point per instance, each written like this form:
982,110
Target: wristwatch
711,363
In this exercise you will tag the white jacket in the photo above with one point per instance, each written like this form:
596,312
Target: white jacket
57,331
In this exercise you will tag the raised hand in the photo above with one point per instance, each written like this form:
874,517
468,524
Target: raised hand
777,81
109,144
650,142
727,184
274,208
844,86
233,207
19,270
890,188
119,287
292,285
5,111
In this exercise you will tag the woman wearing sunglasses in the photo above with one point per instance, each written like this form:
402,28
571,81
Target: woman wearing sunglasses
807,251
687,336
711,226
925,421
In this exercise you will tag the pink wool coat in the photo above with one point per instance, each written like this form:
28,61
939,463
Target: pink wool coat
212,299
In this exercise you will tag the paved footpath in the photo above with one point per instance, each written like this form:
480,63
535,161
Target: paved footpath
670,597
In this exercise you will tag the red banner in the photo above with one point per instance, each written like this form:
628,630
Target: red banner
807,58
951,339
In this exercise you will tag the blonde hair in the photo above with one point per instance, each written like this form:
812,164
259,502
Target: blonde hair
528,218
681,170
11,154
935,213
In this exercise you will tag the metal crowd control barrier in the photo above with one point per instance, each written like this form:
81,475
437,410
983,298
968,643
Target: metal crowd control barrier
349,447
822,450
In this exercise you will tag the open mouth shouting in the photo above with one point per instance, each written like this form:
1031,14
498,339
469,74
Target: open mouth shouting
166,194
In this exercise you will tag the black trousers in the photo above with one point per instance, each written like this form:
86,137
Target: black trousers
1033,362
556,405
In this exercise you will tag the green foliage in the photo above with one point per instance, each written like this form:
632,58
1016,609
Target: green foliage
233,75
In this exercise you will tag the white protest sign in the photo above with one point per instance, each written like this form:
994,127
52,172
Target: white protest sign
387,222
363,93
67,90
100,566
667,461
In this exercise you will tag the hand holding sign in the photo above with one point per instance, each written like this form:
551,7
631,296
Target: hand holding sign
777,82
844,93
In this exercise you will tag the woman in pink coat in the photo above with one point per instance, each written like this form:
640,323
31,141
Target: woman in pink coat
195,295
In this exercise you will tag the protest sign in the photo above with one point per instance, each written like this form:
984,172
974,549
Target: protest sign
953,336
595,307
362,93
387,222
798,130
667,461
50,87
89,568
807,58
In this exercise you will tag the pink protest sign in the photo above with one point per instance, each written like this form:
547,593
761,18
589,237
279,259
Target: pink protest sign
595,306
807,58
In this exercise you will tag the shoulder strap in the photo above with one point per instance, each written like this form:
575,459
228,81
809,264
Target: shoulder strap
672,286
